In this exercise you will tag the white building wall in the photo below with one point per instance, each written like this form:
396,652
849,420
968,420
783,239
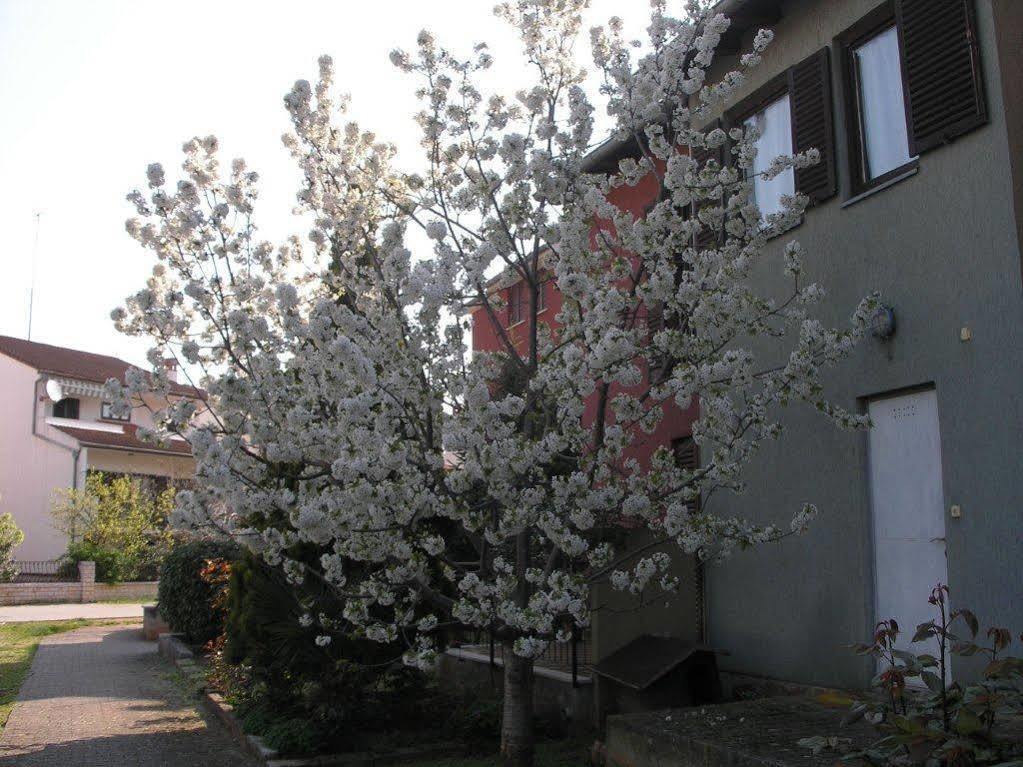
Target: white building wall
31,469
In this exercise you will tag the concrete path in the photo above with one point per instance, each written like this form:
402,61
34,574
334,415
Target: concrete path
66,612
101,696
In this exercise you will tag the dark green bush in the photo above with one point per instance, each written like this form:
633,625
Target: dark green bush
476,722
304,698
187,599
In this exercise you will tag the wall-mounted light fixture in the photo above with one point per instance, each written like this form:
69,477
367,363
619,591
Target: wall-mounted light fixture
882,324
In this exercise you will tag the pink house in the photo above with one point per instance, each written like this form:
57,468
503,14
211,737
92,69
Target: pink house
55,428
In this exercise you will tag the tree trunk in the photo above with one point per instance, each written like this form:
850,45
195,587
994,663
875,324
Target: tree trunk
517,717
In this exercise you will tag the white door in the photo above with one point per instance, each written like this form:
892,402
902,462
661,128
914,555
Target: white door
908,508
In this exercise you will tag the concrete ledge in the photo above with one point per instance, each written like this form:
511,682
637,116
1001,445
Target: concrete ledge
173,648
759,733
153,624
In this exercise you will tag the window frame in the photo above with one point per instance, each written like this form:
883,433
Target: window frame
77,409
103,416
516,303
867,28
773,90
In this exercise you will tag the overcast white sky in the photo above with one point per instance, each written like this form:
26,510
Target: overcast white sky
91,92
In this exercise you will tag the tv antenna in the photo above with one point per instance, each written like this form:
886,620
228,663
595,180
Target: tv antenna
32,286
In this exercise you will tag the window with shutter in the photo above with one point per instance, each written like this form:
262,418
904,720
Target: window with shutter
773,124
875,103
794,114
708,237
912,82
687,456
812,125
654,325
941,64
517,301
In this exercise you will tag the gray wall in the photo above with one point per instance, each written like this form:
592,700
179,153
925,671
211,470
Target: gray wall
943,249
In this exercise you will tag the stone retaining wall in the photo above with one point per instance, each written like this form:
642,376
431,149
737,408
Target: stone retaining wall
39,593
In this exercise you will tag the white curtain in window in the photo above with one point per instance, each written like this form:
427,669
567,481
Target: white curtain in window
774,123
885,140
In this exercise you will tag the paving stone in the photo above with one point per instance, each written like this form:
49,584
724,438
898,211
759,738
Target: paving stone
102,696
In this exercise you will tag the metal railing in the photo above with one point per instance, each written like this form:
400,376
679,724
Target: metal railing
573,656
45,571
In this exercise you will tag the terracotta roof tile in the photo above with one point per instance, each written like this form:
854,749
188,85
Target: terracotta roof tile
85,366
126,440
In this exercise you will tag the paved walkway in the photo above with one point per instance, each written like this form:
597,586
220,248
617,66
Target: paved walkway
101,696
66,612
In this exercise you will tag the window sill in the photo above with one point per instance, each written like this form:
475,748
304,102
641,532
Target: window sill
911,170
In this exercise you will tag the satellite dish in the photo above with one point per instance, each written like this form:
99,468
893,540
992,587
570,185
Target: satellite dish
54,390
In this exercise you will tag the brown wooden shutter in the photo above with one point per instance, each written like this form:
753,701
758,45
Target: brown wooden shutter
708,238
686,454
942,79
812,126
654,325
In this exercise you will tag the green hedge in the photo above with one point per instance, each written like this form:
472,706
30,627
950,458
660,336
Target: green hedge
304,698
113,565
185,598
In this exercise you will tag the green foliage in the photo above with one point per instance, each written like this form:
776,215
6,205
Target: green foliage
11,536
111,565
117,522
304,698
476,722
943,723
188,600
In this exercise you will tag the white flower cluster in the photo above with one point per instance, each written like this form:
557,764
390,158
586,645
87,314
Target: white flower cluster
355,442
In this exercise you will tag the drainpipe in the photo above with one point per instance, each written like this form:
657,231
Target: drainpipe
75,451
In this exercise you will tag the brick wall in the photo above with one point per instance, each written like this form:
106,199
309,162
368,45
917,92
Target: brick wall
143,591
39,593
85,589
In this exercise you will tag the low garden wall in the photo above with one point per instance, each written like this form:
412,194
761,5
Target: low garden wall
555,699
85,589
141,591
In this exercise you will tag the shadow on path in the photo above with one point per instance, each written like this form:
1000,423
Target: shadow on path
102,696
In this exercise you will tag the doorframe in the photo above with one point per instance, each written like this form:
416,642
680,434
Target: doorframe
863,405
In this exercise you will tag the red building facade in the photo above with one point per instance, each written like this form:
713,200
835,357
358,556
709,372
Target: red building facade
513,294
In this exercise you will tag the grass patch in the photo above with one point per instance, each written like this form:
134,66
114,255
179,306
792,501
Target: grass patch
18,643
560,753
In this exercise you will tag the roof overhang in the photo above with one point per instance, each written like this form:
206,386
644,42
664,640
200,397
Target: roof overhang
744,15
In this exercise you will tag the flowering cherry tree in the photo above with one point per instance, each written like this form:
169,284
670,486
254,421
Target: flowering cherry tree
355,441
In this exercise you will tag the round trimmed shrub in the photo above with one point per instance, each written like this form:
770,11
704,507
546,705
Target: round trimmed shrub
186,599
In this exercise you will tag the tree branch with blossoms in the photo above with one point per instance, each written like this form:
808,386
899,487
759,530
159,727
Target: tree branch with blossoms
355,439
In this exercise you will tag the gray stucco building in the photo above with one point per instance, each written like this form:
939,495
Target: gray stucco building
939,235
918,108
